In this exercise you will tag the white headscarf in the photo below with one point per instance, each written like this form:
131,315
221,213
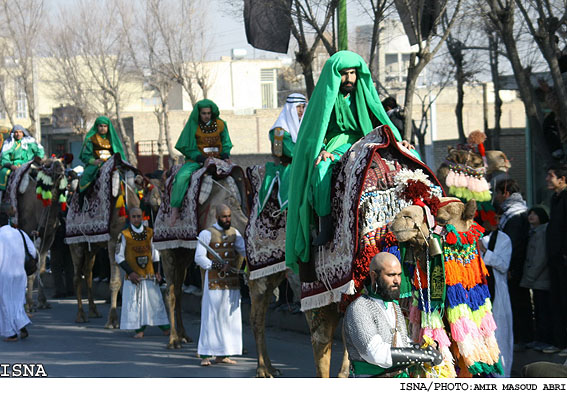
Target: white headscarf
26,139
288,119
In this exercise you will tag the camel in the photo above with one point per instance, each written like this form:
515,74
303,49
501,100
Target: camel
472,345
368,167
177,255
84,252
34,217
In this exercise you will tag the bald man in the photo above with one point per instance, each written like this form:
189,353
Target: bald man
142,302
375,329
221,322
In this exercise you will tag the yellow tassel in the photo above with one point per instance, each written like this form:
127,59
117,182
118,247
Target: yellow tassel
120,201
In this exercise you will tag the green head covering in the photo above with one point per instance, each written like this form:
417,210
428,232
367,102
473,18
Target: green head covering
114,139
187,144
312,134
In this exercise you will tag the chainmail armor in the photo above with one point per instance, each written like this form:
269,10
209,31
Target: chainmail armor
364,319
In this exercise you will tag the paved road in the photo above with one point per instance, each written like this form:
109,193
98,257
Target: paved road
67,349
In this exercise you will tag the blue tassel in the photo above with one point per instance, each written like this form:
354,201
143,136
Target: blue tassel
474,298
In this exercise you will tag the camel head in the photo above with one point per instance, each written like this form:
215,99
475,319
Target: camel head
497,161
465,157
453,211
407,224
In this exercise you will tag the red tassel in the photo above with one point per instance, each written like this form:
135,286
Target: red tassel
45,202
63,206
122,212
38,195
481,150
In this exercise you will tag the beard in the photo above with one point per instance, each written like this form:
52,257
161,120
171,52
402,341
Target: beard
387,294
346,89
224,225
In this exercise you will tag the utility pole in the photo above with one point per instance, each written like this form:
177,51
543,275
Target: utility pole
342,23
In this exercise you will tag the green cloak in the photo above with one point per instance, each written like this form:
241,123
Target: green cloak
87,152
310,140
187,144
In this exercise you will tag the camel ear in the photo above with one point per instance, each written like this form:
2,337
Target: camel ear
470,210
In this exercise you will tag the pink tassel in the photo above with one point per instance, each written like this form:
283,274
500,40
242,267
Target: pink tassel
462,180
484,185
450,180
441,337
487,325
458,331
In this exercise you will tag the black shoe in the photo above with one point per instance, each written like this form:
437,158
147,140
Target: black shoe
327,230
24,333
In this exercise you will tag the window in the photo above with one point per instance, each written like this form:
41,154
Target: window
21,102
268,87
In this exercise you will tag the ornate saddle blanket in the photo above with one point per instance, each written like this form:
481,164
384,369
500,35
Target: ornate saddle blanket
92,222
265,232
186,229
17,183
363,202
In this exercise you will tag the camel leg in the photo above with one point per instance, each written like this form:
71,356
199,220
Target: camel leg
30,307
171,273
174,342
41,298
78,256
345,366
115,284
260,294
88,273
322,323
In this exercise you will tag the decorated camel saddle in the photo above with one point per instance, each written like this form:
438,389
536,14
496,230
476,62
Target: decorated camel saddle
365,198
444,282
183,234
91,222
18,183
265,232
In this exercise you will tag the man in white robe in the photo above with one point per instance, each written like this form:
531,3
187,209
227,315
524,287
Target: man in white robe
499,259
142,302
13,281
221,322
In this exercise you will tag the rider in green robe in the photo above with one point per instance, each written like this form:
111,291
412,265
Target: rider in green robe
204,135
283,135
343,108
100,144
17,150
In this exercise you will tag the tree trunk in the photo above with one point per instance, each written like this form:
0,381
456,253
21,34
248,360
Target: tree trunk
128,146
166,130
413,73
494,69
460,100
159,116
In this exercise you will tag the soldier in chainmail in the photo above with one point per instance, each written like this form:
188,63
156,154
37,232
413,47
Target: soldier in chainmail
375,330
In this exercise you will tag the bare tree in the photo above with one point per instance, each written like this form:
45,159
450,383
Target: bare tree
378,11
103,49
22,21
426,48
184,43
146,45
311,25
69,77
501,15
463,44
544,19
